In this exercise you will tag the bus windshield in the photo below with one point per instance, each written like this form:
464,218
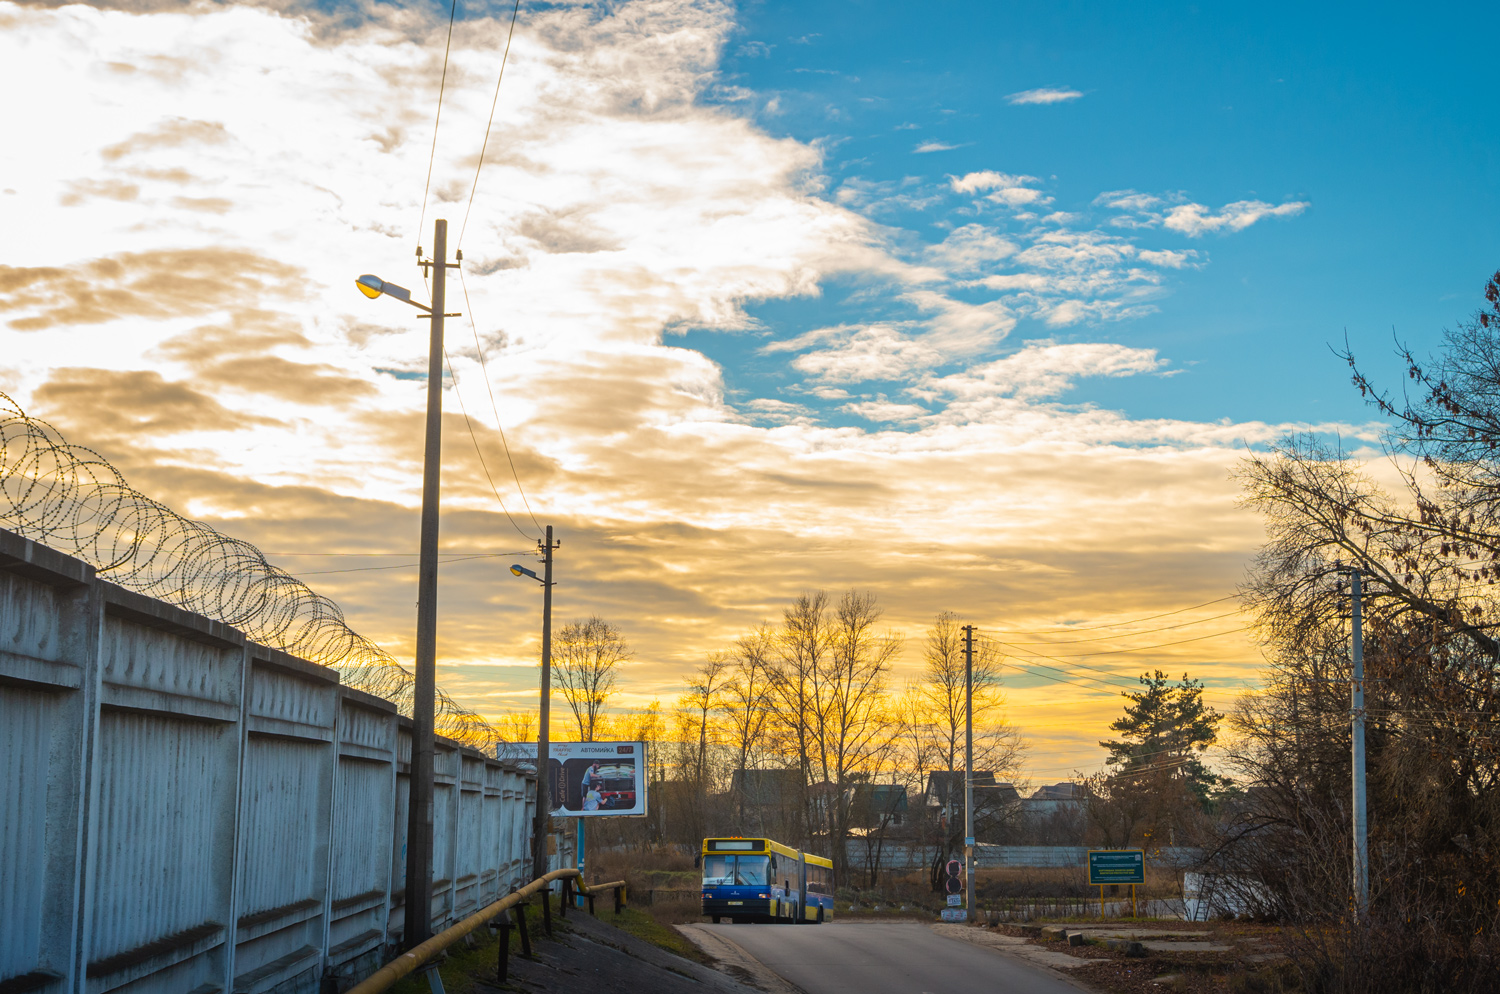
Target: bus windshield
728,870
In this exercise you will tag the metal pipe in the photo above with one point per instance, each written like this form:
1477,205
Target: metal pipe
413,959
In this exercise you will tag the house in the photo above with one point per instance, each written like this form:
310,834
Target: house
876,805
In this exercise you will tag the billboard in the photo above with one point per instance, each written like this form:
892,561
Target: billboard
590,779
1117,866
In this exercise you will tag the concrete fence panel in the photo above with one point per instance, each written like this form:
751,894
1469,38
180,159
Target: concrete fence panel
186,810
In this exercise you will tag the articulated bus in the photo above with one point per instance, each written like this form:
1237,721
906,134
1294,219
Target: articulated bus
758,880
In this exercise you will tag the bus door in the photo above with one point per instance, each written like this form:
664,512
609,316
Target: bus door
801,886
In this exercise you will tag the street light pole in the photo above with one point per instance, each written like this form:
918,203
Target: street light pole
543,738
969,771
418,901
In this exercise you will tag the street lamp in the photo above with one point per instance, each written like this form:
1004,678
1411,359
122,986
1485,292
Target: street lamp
543,751
418,901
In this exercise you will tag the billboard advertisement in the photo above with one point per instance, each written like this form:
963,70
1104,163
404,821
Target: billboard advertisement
590,779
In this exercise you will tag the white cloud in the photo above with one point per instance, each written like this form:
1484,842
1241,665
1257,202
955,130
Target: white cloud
1194,220
1044,95
1042,370
935,146
885,410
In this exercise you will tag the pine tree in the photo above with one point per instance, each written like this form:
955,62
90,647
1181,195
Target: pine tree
1163,731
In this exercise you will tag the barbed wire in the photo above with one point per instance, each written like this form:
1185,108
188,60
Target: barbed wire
72,499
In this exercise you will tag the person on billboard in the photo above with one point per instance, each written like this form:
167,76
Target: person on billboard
591,800
592,778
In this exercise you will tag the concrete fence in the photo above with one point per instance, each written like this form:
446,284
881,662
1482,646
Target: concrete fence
185,810
903,856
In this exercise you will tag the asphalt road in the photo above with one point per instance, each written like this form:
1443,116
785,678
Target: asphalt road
886,958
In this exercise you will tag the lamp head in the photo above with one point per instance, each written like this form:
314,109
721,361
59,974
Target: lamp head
519,570
373,286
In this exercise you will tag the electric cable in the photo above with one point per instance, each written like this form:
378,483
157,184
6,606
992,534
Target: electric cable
1123,624
442,87
475,439
1149,631
490,123
485,374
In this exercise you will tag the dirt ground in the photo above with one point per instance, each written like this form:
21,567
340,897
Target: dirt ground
1190,957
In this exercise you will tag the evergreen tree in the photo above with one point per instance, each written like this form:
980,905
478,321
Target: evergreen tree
1163,731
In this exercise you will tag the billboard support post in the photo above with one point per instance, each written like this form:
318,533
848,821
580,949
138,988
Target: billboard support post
581,852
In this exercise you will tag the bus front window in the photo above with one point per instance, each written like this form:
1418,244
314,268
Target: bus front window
718,870
751,871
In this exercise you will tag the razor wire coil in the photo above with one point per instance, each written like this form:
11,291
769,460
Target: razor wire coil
72,499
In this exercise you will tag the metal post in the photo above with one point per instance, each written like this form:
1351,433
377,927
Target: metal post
543,753
1357,718
581,851
417,926
969,771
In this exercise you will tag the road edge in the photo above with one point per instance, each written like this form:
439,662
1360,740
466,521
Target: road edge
729,953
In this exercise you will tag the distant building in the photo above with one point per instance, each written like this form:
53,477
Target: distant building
876,805
1053,800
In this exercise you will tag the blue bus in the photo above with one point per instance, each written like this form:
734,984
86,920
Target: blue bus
761,880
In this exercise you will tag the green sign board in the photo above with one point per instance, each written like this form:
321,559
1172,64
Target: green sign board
1117,866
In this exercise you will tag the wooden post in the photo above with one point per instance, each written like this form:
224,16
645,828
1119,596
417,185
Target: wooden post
525,932
546,893
591,905
1101,900
1132,902
502,963
567,891
619,899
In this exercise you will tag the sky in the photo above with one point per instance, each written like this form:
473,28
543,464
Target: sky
975,307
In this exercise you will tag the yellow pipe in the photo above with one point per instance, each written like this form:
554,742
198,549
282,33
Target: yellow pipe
411,960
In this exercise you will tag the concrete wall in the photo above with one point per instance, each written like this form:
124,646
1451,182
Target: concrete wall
903,856
185,810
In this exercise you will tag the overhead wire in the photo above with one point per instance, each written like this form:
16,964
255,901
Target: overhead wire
1124,624
366,569
494,102
438,119
474,437
1149,631
494,407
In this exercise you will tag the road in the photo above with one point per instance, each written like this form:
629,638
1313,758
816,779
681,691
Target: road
886,958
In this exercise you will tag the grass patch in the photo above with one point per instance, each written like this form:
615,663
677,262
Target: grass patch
643,926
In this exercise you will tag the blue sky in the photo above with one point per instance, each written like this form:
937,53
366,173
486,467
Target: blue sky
1381,119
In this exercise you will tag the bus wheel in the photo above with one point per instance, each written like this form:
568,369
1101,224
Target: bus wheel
820,915
716,919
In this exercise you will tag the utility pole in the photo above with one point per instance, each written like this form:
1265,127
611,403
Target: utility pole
969,770
1357,719
543,739
417,926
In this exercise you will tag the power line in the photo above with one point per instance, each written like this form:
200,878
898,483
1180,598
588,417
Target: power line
490,123
477,451
1124,624
1149,631
404,555
1141,648
366,569
442,86
495,408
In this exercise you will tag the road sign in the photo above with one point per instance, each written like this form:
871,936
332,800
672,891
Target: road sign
969,841
954,883
1117,866
955,914
955,900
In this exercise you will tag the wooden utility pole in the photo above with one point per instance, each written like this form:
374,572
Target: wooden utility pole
543,737
417,926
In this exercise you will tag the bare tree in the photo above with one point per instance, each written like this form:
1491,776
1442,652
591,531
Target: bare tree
744,702
584,657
